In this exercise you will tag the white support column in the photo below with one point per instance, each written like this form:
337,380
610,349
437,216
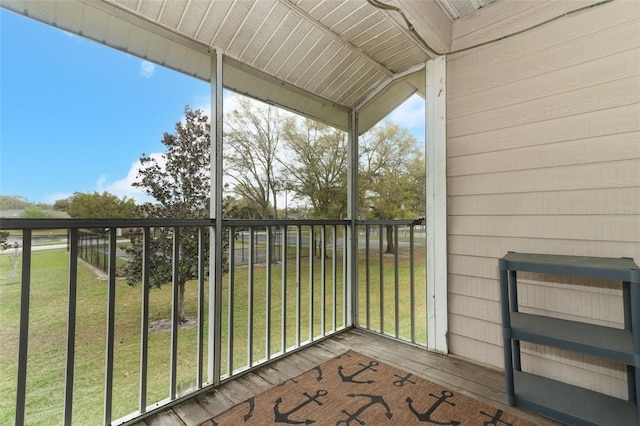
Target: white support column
436,154
215,255
352,214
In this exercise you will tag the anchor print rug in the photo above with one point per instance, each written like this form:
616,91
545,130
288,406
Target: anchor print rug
355,390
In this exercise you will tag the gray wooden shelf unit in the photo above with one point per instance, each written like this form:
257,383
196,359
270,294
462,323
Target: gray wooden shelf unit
563,402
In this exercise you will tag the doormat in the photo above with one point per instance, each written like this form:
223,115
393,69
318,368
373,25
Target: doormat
355,390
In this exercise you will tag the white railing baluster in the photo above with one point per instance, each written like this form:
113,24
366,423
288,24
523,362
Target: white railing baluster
250,298
175,317
367,248
231,299
71,326
396,281
312,247
323,280
298,282
334,259
285,238
345,271
381,277
111,322
144,318
23,343
268,295
412,284
201,286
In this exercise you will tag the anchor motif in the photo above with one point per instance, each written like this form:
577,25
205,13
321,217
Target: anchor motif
252,405
319,370
373,400
496,419
284,417
401,380
426,416
287,381
350,379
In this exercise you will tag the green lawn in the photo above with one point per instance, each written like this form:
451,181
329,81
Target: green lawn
48,319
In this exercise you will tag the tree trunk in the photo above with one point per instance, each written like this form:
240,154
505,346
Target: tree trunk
390,247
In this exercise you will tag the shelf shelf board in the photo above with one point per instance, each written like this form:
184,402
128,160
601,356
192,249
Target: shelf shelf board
619,269
576,406
605,342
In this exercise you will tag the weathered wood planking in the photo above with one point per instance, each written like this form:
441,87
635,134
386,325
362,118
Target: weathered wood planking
485,384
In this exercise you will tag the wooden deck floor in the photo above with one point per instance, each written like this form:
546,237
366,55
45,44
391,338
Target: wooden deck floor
479,382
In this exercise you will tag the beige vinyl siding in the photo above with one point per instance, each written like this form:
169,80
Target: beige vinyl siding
543,155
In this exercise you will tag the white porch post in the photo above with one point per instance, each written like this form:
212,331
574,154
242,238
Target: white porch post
436,155
352,213
215,257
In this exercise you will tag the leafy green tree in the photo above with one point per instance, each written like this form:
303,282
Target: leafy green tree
317,167
14,202
98,206
241,208
391,175
253,138
36,212
4,238
179,182
63,204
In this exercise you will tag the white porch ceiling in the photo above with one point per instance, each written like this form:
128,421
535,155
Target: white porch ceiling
319,58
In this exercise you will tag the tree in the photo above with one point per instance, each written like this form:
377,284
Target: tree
36,212
4,238
253,136
98,206
391,175
12,251
179,182
317,167
63,204
14,202
240,208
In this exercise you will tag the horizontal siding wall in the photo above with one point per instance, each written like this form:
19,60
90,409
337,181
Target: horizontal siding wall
543,148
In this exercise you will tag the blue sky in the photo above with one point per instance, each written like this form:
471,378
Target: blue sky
75,115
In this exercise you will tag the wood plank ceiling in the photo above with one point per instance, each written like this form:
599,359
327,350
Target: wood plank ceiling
319,58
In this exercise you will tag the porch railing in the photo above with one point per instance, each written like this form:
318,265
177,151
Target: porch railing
286,285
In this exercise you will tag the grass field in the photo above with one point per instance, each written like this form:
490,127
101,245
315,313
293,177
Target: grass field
48,322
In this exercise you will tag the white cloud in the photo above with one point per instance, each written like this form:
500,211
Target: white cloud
102,180
410,114
124,187
146,69
229,103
